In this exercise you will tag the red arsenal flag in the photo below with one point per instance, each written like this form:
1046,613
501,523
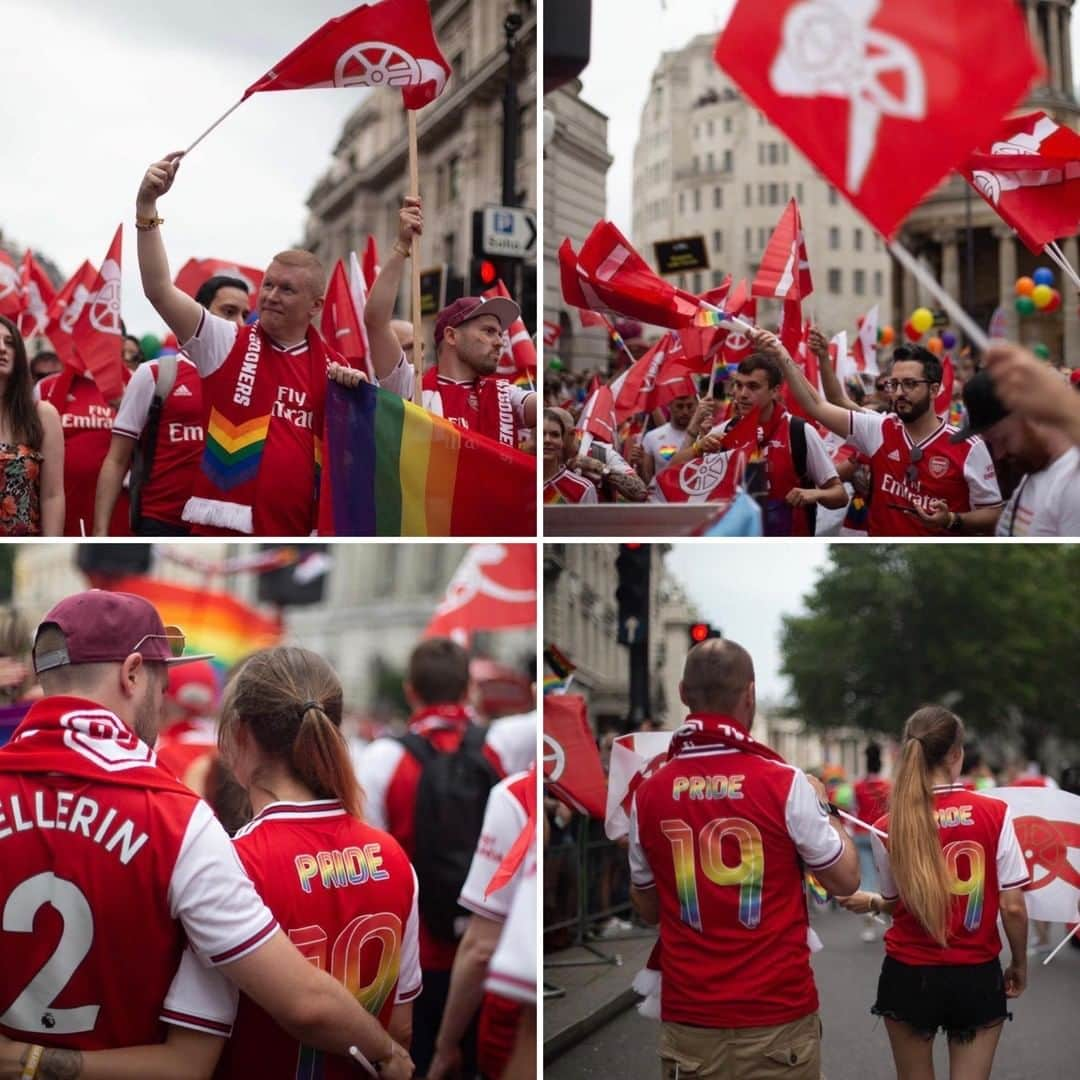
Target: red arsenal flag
494,588
379,43
883,96
572,769
195,272
11,297
1030,175
96,332
38,294
633,389
865,349
709,478
552,333
65,310
598,417
519,352
784,272
341,322
612,275
592,318
943,401
370,262
676,379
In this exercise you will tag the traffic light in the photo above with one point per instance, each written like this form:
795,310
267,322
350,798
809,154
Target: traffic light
104,561
632,592
702,631
483,274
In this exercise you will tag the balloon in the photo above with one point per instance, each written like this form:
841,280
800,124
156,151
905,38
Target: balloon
922,319
555,364
910,332
150,344
1044,276
1024,286
1041,295
888,335
935,345
1041,351
1025,305
1055,301
948,339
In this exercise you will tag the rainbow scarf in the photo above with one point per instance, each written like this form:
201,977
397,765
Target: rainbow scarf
392,468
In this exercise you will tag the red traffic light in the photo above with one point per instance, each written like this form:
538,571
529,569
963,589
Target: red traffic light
489,272
699,632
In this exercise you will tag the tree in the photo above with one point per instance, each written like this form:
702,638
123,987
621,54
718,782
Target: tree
991,631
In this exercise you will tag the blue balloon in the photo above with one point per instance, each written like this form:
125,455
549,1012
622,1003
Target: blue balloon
1043,276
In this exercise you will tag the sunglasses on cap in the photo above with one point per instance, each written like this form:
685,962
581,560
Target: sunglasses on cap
173,637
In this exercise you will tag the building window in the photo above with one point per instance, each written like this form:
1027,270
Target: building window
761,153
785,153
834,238
697,131
774,154
718,198
762,236
877,242
450,249
710,162
697,281
682,202
717,278
859,282
727,125
836,281
833,198
709,128
879,283
798,191
749,201
858,239
717,241
453,178
697,199
728,159
697,164
774,194
749,237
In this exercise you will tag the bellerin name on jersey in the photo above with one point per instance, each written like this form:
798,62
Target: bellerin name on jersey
62,810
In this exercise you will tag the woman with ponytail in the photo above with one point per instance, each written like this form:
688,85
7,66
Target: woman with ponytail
950,864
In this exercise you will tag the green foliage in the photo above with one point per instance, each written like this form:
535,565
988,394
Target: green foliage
991,631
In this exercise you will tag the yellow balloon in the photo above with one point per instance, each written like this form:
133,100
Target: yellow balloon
1042,295
922,319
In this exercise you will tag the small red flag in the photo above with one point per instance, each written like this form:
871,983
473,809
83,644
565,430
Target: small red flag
943,401
709,478
65,310
784,272
96,331
879,94
341,326
598,417
519,352
386,43
572,769
38,294
11,297
370,262
633,389
195,272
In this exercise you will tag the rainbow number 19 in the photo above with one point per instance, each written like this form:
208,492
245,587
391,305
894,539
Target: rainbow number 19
748,873
974,885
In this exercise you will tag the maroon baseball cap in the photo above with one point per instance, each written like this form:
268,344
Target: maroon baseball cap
472,307
102,627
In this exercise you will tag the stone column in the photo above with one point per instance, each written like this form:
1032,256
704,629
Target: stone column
1053,48
1066,59
1033,29
1007,280
950,261
1068,303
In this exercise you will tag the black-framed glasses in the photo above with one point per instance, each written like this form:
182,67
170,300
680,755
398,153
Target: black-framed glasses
173,635
907,385
885,384
914,458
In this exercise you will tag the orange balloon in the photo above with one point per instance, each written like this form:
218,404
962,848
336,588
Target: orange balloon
888,334
936,346
1025,286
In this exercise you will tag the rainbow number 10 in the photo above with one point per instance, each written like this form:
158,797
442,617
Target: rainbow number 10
748,873
974,885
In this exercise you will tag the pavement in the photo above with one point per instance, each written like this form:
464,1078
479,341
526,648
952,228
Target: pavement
595,980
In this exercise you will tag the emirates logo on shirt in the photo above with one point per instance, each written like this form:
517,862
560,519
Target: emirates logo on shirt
938,466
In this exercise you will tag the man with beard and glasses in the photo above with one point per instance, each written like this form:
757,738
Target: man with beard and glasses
922,483
1046,501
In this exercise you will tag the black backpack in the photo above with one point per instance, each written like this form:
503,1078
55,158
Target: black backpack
450,801
798,459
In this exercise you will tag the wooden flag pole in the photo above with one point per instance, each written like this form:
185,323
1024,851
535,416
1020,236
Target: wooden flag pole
414,189
219,120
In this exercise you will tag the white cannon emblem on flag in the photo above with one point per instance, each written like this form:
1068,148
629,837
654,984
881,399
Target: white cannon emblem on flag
699,476
554,760
74,308
470,581
376,63
105,303
829,49
991,184
9,280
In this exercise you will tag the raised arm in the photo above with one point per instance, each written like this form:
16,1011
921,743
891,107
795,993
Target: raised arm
379,312
830,382
833,417
180,312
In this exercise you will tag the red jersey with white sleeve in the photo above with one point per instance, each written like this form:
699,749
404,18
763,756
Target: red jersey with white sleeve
512,971
905,474
346,895
569,487
724,836
982,859
87,420
180,437
871,799
107,866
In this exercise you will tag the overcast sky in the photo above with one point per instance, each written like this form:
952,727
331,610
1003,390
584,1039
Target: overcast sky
95,91
628,37
744,589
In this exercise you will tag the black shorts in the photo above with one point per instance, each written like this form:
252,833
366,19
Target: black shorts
961,998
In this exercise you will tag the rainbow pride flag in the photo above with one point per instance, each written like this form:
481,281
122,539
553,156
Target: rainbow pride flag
212,622
816,889
392,468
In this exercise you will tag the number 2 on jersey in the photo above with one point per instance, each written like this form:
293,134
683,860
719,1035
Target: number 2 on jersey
748,873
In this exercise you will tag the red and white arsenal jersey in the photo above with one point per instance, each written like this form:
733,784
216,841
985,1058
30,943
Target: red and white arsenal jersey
723,836
982,858
179,442
871,800
101,884
346,895
569,487
87,420
512,971
961,474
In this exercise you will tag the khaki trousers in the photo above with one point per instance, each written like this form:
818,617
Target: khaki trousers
785,1052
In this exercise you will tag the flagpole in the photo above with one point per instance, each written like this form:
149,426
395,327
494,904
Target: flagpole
1054,251
863,824
414,187
959,316
1061,944
219,120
